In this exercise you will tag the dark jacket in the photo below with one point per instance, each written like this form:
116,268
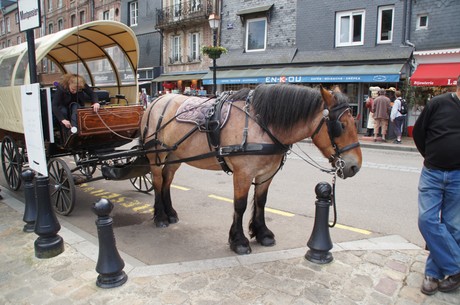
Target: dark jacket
436,132
63,98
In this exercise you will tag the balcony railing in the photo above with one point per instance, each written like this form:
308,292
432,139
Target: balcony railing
187,12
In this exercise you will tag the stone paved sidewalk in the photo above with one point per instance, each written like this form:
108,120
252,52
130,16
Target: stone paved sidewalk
384,270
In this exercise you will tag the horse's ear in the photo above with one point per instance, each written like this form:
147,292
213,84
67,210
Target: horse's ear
327,96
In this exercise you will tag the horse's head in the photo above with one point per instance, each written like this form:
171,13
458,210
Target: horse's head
337,136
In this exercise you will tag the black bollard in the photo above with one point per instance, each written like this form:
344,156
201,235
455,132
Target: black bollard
109,263
320,241
49,243
30,211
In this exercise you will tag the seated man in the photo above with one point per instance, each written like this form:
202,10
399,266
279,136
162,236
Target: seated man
71,94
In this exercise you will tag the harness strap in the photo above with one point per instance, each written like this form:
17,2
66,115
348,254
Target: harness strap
318,128
348,147
231,150
243,145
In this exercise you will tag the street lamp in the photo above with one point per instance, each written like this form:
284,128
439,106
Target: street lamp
214,22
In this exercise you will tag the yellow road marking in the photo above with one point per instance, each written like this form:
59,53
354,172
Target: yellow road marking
138,206
362,231
180,187
142,207
270,210
279,212
221,198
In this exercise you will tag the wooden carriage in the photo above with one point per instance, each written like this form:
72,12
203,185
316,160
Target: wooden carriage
106,54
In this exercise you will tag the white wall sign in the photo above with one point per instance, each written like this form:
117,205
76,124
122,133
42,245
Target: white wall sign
29,14
33,130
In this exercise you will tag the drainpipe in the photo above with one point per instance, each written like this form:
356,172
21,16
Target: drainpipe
408,22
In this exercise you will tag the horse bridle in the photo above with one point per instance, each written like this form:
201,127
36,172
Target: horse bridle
335,129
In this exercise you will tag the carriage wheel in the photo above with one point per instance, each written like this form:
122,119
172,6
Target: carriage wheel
62,186
11,163
143,183
88,169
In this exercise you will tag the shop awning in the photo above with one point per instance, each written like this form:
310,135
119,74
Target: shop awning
436,75
315,74
177,77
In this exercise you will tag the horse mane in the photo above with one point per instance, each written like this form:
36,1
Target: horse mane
283,106
240,95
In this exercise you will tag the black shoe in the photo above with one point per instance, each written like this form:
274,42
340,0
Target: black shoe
429,285
396,142
450,284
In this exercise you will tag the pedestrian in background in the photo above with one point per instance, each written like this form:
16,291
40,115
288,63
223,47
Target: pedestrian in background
397,118
381,110
369,102
437,137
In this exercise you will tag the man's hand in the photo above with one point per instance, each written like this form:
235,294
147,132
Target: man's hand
96,107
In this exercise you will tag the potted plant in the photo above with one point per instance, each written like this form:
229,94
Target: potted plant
213,52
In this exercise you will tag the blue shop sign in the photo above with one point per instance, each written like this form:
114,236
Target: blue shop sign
374,78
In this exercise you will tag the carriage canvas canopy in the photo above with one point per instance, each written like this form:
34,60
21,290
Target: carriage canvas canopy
104,52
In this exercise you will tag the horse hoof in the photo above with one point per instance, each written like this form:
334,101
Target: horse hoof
267,241
241,249
173,219
161,224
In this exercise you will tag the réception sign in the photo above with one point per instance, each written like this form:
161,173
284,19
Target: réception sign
29,14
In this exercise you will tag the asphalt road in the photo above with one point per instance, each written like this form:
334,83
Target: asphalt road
380,200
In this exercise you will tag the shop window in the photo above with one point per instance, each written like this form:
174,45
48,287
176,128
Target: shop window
385,29
256,34
349,28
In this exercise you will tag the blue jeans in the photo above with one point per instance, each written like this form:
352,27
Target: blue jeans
439,220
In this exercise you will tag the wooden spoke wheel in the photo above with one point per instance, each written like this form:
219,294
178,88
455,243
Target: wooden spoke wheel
62,186
143,183
11,163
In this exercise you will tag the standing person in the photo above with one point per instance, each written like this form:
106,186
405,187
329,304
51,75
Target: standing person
381,109
369,103
72,93
437,137
397,118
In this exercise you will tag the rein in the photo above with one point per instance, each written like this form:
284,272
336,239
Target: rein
339,163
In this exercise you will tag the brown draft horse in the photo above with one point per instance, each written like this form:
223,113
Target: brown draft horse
253,144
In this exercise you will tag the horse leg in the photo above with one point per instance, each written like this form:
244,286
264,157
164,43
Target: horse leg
168,176
257,226
237,240
159,215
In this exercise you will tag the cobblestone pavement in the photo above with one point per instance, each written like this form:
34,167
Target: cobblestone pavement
384,270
